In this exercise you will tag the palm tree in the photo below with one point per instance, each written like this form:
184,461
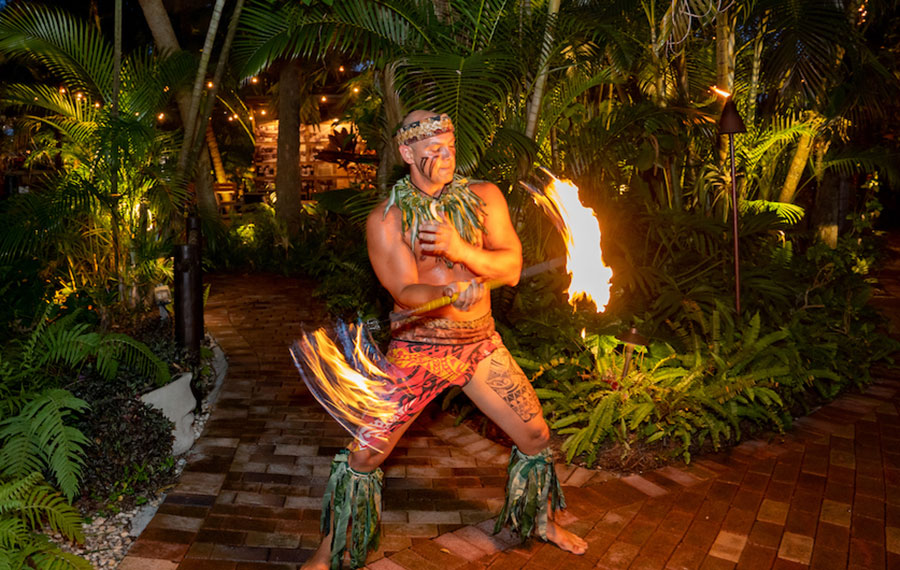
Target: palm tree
74,217
818,65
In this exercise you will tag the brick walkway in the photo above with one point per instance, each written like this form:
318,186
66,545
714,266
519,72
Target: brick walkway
827,495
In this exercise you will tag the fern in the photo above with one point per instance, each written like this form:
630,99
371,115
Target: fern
72,344
724,375
28,505
37,438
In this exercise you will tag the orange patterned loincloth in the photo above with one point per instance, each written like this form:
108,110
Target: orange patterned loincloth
447,355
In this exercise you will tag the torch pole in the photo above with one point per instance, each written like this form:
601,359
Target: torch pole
734,219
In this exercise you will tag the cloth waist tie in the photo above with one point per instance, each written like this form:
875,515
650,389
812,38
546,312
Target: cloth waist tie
439,330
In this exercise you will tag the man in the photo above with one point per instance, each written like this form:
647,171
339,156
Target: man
439,235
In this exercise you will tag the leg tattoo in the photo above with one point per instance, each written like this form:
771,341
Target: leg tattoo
511,384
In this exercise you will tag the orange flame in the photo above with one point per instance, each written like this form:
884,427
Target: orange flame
584,258
356,398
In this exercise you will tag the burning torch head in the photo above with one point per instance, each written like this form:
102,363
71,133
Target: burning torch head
537,186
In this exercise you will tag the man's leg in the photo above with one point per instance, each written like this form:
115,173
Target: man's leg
503,393
363,463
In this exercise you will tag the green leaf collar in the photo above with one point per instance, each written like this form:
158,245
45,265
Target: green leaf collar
457,203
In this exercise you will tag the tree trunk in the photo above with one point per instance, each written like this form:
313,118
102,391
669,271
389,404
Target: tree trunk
287,167
755,70
210,137
393,112
534,107
826,211
214,154
798,165
114,182
724,71
192,123
658,75
166,41
724,51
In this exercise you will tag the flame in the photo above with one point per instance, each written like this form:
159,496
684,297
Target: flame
584,258
354,392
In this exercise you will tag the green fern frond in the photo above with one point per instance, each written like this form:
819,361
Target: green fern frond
39,438
29,506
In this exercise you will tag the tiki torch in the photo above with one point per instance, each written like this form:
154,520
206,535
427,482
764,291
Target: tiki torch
730,122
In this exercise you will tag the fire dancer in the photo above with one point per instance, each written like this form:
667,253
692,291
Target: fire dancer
438,234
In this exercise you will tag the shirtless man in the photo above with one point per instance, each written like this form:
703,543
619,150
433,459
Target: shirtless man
439,235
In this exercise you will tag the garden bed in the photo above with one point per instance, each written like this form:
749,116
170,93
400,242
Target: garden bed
110,528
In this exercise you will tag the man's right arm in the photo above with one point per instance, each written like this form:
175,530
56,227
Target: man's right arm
394,262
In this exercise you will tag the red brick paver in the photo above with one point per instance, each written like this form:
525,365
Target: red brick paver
826,495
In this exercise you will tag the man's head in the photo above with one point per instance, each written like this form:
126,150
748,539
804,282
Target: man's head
427,143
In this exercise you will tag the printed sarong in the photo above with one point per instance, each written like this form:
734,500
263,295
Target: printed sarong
433,354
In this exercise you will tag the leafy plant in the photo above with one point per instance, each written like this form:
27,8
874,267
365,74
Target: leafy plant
38,438
87,234
136,462
683,398
28,506
34,362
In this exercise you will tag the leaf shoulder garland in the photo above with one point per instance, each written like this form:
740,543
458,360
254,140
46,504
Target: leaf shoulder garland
458,204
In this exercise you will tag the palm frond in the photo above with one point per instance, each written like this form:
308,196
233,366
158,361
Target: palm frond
71,48
853,161
564,93
787,213
468,88
803,50
270,30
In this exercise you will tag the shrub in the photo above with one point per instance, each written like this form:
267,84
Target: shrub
710,376
136,462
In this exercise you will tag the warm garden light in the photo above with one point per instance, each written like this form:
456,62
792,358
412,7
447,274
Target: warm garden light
341,69
209,84
324,98
720,92
161,116
730,123
356,89
254,80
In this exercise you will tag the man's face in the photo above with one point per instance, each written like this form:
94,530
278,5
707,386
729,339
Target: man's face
433,158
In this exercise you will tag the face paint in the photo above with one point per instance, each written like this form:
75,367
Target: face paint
426,165
434,158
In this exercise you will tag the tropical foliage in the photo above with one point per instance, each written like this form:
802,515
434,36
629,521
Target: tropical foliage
615,96
41,440
98,239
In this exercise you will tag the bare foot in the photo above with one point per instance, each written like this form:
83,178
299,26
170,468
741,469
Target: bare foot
564,539
321,558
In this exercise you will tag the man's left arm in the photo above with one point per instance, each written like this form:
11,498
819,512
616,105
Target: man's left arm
499,257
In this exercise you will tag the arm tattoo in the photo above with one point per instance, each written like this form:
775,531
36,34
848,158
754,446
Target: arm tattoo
511,384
